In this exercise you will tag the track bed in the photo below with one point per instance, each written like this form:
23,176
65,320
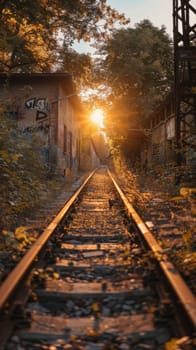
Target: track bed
95,287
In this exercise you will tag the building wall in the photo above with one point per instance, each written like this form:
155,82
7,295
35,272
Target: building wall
160,146
42,107
67,135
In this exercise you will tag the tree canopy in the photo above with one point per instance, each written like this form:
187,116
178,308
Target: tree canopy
79,65
138,68
29,34
139,63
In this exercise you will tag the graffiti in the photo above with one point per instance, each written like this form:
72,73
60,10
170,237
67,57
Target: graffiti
40,105
32,129
41,115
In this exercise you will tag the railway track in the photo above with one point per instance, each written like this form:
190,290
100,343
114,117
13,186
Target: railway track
96,279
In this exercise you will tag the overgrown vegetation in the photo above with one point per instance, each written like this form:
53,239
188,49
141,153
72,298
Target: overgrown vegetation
22,171
141,189
127,177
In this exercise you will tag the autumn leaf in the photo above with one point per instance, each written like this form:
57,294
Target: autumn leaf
184,191
73,337
21,233
152,309
5,155
16,156
172,344
4,232
95,307
186,236
32,239
92,333
56,275
126,252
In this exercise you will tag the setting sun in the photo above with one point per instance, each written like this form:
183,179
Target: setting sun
97,117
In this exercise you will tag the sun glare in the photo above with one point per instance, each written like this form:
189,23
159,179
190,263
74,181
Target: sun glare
97,117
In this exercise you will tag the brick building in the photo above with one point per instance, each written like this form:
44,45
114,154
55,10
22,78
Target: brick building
46,103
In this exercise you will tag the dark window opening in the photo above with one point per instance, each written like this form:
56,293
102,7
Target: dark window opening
65,140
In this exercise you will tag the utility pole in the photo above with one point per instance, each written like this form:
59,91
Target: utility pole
184,28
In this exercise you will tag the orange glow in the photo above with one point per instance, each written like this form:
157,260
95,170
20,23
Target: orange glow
97,117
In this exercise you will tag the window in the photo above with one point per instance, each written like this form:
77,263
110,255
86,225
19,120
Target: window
70,150
65,140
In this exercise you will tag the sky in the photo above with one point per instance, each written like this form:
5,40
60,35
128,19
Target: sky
159,12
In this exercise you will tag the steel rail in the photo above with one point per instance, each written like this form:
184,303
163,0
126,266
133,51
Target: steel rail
21,268
180,288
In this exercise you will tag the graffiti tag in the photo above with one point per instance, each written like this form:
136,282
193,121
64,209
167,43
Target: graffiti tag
40,105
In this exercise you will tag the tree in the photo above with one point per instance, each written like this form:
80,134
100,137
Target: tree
138,67
25,36
30,34
139,63
79,65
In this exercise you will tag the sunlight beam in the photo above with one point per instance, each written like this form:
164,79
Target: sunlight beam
97,117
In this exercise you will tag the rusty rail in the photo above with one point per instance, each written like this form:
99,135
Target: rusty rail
21,268
180,288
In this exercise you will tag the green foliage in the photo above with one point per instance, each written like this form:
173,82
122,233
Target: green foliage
22,171
29,35
80,65
139,63
126,177
25,38
138,67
